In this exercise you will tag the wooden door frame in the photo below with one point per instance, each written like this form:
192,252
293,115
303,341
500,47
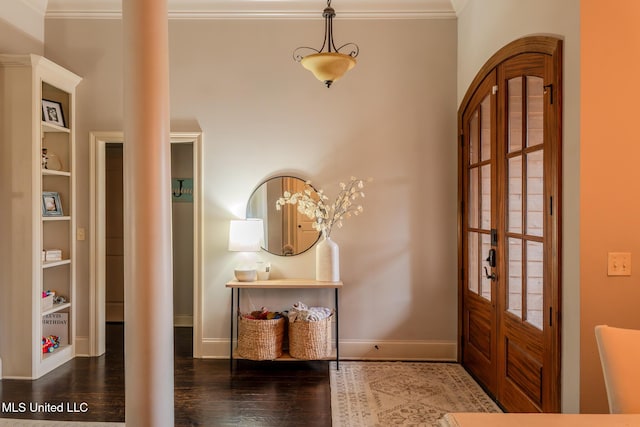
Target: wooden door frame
97,285
554,47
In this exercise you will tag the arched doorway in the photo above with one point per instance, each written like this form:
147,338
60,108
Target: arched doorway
509,225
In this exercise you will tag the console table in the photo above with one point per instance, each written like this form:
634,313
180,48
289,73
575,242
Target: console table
236,286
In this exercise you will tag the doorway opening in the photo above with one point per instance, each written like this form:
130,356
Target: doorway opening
107,218
509,225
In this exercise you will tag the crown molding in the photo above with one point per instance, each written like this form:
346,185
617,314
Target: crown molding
38,6
260,9
25,15
459,5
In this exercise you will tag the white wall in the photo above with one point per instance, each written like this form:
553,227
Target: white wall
484,26
392,118
22,26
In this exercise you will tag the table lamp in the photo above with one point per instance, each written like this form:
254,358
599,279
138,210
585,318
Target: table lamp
246,236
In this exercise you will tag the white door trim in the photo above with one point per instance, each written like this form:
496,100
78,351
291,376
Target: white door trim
97,268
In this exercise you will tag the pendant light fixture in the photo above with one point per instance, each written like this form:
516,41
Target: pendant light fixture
328,66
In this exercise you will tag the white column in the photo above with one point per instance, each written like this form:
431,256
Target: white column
147,250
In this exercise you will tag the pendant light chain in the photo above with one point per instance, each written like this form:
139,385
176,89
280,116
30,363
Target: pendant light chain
328,65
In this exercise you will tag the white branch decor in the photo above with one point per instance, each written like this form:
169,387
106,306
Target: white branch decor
317,206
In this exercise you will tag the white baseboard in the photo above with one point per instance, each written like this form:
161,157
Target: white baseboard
399,350
82,347
444,351
213,348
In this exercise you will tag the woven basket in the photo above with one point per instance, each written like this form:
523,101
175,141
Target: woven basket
310,340
260,339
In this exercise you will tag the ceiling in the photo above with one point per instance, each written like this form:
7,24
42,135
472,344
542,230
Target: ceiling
247,9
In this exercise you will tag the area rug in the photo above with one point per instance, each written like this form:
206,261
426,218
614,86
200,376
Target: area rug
368,394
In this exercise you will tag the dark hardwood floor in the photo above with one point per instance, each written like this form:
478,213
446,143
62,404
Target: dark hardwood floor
206,392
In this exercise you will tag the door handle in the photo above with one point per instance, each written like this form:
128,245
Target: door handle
491,276
491,259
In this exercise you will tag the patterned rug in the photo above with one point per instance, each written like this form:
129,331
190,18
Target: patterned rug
368,394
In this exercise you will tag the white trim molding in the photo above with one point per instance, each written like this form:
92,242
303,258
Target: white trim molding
262,9
26,15
442,351
459,5
82,346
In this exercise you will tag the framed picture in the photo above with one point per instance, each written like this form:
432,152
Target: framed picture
52,112
182,190
51,205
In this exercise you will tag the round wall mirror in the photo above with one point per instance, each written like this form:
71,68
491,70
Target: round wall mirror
287,232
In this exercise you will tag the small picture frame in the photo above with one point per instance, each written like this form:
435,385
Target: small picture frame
51,205
52,113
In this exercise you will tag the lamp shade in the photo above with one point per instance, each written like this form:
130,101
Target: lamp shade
246,235
328,66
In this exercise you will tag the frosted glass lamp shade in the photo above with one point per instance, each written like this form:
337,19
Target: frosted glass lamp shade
246,235
328,66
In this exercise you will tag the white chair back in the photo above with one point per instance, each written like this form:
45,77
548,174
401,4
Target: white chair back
620,357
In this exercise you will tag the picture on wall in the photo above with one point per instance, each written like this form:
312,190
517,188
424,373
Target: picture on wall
182,190
51,205
52,113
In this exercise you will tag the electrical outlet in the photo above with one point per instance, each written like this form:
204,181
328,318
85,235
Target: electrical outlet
80,234
619,264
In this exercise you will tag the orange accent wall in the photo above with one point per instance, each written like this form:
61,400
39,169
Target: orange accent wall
610,179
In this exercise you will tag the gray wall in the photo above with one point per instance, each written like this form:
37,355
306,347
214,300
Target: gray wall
392,118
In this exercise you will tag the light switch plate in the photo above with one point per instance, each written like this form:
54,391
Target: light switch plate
80,233
619,264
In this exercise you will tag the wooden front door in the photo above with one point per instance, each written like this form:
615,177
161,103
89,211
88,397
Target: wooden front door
509,226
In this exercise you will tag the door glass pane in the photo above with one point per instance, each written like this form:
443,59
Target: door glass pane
485,129
514,88
535,193
535,272
474,266
485,201
474,191
485,292
473,138
514,264
514,201
535,94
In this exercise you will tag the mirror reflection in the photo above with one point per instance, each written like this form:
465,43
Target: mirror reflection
287,232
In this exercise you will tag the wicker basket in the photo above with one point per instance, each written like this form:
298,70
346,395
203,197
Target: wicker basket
260,339
310,340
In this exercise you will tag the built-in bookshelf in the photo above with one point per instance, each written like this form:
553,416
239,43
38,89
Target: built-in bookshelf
37,118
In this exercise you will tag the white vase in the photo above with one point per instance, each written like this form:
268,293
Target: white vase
327,260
